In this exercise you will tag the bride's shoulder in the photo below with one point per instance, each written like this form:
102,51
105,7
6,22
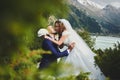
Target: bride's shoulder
65,32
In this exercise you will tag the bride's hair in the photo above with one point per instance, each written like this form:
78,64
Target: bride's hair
61,25
57,22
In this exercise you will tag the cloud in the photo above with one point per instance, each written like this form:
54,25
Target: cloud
116,4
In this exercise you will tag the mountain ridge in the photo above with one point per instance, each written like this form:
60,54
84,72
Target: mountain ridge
108,17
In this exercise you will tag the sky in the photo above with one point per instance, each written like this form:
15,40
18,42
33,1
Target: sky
115,3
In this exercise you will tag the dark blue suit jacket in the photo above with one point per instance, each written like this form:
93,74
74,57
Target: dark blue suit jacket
48,59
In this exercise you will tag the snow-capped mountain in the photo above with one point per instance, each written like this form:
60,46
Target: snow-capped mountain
112,14
90,7
108,17
90,3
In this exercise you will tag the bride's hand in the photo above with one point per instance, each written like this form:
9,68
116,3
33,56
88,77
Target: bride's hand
71,46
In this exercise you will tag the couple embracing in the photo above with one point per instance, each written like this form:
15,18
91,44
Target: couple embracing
63,41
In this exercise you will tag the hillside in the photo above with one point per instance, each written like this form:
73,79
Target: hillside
94,18
79,19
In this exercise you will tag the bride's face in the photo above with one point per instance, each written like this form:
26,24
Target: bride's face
57,27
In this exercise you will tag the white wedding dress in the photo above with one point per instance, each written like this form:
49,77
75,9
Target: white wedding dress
81,57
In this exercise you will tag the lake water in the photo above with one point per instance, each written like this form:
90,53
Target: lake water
103,42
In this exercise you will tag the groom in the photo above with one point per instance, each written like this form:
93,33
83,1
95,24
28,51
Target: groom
48,59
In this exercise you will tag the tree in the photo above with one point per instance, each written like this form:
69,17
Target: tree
109,61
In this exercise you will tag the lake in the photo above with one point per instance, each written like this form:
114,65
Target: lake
103,42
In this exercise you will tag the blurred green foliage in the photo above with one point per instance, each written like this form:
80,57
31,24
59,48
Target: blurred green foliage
21,19
62,71
19,22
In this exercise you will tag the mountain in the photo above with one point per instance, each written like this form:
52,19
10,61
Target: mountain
111,13
79,19
89,3
90,7
108,18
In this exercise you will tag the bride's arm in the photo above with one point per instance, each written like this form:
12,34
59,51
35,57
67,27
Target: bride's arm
60,42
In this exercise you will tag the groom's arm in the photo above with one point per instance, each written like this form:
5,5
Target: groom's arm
54,51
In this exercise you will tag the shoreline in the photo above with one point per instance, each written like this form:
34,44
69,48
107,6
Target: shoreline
101,34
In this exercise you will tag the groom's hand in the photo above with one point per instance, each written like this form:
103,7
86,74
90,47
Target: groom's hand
71,46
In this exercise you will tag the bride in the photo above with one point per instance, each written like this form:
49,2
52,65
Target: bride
81,57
